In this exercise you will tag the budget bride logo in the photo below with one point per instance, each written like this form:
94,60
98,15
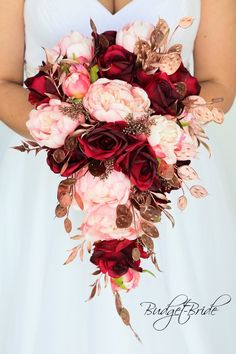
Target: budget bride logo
181,309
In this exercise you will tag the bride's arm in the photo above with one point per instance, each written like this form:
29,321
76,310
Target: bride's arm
215,51
14,106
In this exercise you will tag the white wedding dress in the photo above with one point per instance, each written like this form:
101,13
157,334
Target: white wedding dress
43,308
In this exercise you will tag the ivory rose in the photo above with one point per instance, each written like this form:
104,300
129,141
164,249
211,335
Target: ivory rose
113,190
76,84
100,224
76,45
166,136
112,100
49,126
127,281
132,32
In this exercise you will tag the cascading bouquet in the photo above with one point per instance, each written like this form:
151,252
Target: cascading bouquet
120,118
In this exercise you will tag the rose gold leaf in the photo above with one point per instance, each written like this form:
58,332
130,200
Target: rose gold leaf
77,237
89,246
187,173
206,146
97,272
170,217
59,155
20,148
98,288
65,200
182,202
81,254
32,143
160,33
185,22
136,254
218,116
93,293
148,242
166,171
198,191
106,278
118,302
177,48
124,314
79,201
68,225
154,261
68,182
64,167
60,212
72,255
149,229
93,26
169,63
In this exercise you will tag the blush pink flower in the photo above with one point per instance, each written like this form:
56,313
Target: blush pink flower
49,126
112,100
132,32
166,136
128,281
100,224
76,84
113,190
75,45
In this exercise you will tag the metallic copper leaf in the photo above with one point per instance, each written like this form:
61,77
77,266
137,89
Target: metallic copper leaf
160,34
68,182
122,210
181,88
182,202
93,293
186,172
72,255
186,22
170,63
71,143
96,168
170,217
166,171
149,229
124,221
60,211
97,272
118,302
124,314
154,261
65,199
79,200
198,191
59,156
150,213
68,225
148,242
136,254
176,48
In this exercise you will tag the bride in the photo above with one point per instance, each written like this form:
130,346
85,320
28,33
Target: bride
42,303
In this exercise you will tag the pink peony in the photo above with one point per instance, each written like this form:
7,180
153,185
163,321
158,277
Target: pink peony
113,190
75,45
127,281
49,126
76,84
112,100
100,224
166,136
132,32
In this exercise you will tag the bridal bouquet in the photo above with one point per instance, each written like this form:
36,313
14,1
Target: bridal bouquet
120,119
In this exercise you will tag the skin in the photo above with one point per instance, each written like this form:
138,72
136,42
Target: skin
214,57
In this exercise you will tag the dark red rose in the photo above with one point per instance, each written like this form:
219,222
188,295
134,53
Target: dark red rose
162,94
140,165
183,75
115,257
38,86
106,141
110,36
118,63
76,162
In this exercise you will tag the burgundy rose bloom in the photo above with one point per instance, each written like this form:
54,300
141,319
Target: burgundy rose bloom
118,63
38,85
115,257
140,165
162,94
76,162
183,75
107,141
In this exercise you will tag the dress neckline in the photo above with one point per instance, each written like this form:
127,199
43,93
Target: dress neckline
117,12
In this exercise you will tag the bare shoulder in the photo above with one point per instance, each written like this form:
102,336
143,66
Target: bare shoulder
215,45
12,40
